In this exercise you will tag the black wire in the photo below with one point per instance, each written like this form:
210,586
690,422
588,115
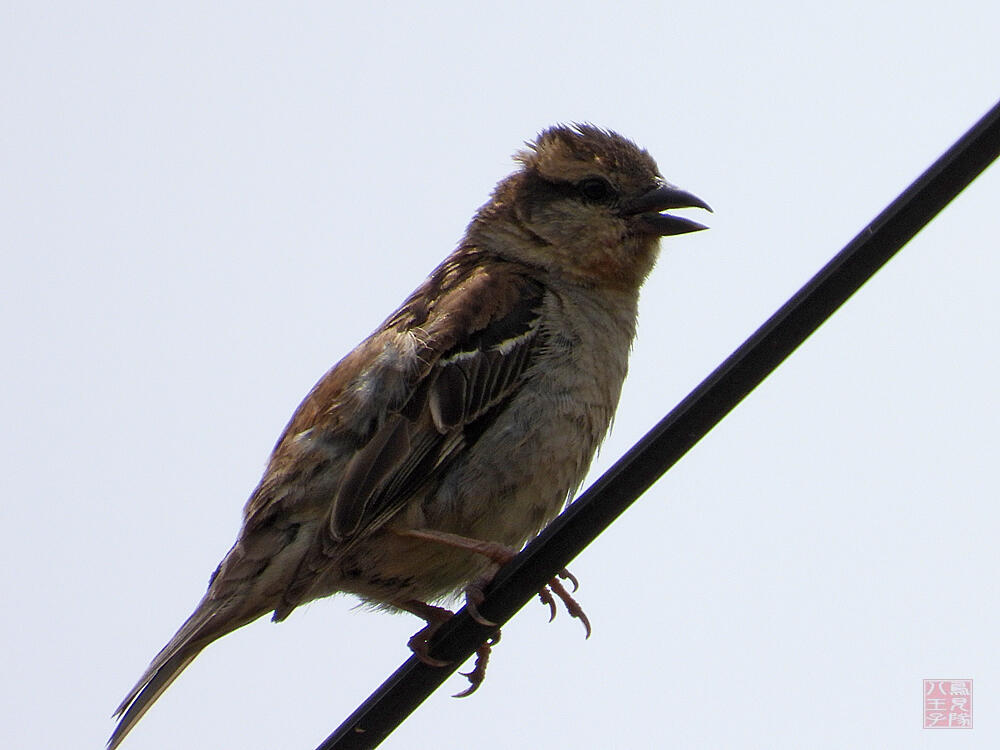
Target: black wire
665,444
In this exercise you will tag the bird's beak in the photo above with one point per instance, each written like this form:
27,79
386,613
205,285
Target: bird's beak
647,207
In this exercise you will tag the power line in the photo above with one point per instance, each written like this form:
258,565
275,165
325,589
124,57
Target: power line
685,425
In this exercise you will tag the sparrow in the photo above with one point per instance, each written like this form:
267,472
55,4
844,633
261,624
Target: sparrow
458,429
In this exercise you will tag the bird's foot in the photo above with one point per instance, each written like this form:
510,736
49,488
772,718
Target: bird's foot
572,606
478,673
419,643
499,555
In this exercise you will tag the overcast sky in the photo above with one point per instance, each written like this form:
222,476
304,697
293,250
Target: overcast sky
205,205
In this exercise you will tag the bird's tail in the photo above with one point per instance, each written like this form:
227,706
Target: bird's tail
212,619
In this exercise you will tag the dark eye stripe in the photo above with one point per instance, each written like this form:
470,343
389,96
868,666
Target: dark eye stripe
589,189
595,189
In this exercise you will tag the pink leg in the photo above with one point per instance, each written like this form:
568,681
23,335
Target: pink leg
500,554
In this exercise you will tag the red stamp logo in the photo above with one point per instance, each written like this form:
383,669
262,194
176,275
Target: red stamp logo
947,704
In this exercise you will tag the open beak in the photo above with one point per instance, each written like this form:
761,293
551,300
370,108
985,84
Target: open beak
648,207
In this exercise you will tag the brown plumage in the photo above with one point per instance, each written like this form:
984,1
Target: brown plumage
473,410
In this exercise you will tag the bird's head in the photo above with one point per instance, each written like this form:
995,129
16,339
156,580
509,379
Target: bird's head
592,205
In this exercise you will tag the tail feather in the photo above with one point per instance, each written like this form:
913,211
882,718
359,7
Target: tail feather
212,619
133,710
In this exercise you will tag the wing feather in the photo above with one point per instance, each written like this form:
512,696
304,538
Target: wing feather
464,383
405,417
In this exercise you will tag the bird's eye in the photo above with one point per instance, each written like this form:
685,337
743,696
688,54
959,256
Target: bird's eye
595,189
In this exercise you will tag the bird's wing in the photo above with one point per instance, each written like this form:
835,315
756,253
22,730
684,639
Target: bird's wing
471,371
402,406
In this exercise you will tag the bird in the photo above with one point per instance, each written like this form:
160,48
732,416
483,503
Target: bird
465,422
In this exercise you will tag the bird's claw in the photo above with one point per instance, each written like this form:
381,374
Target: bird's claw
545,595
567,576
478,672
572,606
474,596
419,642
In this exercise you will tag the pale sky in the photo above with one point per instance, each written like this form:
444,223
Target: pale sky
205,205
